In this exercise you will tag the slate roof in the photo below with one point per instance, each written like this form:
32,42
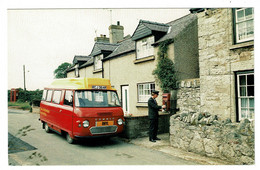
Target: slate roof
177,26
125,46
97,49
100,46
146,28
155,26
79,58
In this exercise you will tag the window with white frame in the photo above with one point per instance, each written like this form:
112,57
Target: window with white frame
98,62
244,24
144,47
144,91
245,88
77,70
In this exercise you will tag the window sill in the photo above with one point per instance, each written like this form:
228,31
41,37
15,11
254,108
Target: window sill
97,71
242,45
143,105
137,61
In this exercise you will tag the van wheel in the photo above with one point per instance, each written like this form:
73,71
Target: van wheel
69,139
47,128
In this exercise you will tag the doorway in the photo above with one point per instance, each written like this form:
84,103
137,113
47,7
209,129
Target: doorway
125,99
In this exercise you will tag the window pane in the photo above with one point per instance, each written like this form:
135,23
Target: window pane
152,87
49,95
145,91
244,102
242,80
250,28
250,79
248,13
240,15
141,89
243,113
68,100
250,90
112,99
98,62
144,47
98,96
242,91
99,99
56,97
251,114
44,94
251,102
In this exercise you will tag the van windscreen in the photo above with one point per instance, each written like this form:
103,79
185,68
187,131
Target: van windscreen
96,98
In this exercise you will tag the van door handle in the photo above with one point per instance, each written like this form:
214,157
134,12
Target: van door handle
60,110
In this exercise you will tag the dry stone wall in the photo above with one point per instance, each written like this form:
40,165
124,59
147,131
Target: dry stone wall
203,133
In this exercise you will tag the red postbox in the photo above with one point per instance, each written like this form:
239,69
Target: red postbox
166,101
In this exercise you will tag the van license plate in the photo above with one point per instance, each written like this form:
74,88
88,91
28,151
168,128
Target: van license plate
104,123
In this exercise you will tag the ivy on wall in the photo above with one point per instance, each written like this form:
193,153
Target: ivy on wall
164,72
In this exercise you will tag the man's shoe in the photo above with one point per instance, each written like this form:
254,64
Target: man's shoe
157,138
151,140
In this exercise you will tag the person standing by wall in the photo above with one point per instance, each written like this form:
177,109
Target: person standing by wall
153,116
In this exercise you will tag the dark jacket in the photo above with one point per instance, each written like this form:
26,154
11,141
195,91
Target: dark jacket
153,109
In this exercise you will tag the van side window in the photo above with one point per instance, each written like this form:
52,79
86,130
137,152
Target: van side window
68,100
44,94
56,97
49,95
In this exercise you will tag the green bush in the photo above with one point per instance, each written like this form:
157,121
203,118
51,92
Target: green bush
27,96
164,72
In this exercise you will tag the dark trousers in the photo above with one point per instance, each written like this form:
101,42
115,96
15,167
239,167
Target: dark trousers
153,128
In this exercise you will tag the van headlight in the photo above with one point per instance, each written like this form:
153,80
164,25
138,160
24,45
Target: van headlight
85,124
119,121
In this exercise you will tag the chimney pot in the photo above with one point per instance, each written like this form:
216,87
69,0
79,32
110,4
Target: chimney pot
118,22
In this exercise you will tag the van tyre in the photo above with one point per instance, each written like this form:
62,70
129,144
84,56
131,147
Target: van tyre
69,139
47,128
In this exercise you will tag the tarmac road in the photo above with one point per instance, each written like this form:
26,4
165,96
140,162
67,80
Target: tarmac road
41,148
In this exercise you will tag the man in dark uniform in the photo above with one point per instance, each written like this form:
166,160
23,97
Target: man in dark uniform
153,115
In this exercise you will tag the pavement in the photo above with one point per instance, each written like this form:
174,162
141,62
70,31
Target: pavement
163,145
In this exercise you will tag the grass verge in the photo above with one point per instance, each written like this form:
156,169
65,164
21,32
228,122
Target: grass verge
19,105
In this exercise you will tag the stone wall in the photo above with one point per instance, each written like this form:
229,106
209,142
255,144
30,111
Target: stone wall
188,95
204,134
136,127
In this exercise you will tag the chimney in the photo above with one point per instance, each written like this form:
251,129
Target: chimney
102,38
116,33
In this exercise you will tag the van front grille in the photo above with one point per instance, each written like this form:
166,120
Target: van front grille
103,129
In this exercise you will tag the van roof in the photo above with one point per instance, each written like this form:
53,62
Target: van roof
81,83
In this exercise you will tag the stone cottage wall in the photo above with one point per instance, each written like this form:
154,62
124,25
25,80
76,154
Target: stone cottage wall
204,134
219,59
188,95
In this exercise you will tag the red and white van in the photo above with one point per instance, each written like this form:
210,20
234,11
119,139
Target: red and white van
81,108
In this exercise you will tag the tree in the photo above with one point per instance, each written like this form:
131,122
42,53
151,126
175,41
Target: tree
60,72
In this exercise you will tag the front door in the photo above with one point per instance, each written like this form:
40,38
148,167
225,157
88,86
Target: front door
125,99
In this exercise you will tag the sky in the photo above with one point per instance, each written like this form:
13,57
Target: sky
42,39
44,34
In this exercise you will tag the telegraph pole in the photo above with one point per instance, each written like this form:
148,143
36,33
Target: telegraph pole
24,78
